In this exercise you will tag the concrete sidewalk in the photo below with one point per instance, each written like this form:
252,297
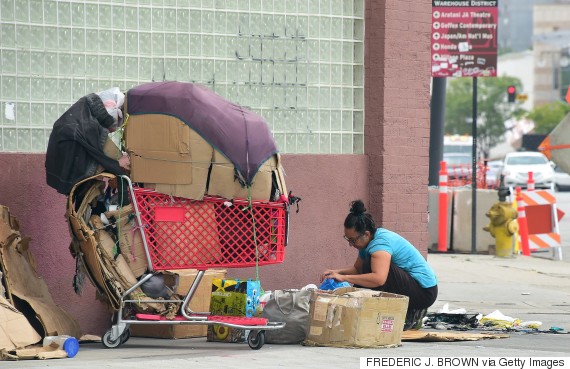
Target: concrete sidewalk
527,288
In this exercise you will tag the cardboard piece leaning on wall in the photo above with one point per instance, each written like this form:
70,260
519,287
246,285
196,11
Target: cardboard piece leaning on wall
23,282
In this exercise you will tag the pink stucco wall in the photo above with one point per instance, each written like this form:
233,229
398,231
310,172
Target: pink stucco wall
326,184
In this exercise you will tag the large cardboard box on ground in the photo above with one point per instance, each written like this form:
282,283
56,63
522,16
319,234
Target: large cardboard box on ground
200,303
353,317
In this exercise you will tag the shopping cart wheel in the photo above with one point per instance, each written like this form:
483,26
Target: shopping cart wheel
256,339
125,336
108,342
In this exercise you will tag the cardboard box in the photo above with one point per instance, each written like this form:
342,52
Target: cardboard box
222,181
200,303
353,317
166,153
234,297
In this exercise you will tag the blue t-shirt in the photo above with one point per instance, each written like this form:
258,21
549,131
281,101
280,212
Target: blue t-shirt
404,255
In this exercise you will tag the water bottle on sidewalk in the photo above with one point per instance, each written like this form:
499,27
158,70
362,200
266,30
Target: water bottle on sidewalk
68,343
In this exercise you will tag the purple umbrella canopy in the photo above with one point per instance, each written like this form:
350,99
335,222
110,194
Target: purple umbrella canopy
241,135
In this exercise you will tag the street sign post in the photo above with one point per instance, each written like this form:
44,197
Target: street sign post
464,38
464,44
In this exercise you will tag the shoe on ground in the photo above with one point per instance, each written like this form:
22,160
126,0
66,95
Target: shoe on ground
414,319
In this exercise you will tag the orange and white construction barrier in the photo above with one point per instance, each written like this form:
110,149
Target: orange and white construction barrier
523,227
542,221
442,221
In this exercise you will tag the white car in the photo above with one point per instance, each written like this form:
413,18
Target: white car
561,180
517,165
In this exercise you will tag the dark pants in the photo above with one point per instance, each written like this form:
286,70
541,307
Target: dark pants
402,283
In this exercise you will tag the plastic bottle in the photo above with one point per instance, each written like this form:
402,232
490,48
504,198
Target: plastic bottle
68,343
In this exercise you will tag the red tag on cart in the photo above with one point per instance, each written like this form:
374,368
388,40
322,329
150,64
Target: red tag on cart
169,214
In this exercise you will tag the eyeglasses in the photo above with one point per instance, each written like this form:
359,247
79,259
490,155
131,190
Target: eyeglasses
352,241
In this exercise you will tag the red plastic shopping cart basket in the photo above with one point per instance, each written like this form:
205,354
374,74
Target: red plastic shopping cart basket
213,232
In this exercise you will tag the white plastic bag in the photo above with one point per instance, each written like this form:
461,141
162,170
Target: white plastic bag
113,99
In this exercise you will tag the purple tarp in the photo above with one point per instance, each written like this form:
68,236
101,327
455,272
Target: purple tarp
241,135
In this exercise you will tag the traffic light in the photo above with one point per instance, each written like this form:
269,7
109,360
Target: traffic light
512,94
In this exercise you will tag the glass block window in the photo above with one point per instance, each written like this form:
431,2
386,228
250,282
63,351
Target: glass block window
297,63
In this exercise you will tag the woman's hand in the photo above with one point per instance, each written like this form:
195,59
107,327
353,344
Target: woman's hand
337,277
326,274
334,275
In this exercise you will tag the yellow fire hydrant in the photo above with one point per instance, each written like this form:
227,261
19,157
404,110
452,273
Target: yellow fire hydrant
502,223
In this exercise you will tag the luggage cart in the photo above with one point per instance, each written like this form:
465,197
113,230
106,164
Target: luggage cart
180,233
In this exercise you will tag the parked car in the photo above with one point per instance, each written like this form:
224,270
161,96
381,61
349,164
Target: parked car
561,180
458,165
517,165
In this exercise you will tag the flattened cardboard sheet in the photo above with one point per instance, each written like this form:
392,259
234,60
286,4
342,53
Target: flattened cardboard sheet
23,282
15,330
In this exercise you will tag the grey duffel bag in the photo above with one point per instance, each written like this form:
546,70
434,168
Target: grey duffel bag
291,307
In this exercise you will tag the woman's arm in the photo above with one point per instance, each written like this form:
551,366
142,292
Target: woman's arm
380,265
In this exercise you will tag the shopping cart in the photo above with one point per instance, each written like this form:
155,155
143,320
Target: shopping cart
180,233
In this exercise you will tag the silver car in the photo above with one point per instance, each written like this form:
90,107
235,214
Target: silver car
561,180
517,165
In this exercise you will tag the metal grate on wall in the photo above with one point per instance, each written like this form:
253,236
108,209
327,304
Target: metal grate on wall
297,63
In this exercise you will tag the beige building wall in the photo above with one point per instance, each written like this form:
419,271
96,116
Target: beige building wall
549,20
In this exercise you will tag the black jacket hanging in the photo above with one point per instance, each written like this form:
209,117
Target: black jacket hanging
75,146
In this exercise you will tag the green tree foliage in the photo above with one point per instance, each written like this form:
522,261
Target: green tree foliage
492,109
547,116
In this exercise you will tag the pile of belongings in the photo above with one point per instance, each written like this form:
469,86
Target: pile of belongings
460,320
178,139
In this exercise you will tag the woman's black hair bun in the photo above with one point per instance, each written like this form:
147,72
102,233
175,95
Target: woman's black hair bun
357,207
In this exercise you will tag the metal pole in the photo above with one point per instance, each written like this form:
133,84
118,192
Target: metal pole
437,115
474,173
